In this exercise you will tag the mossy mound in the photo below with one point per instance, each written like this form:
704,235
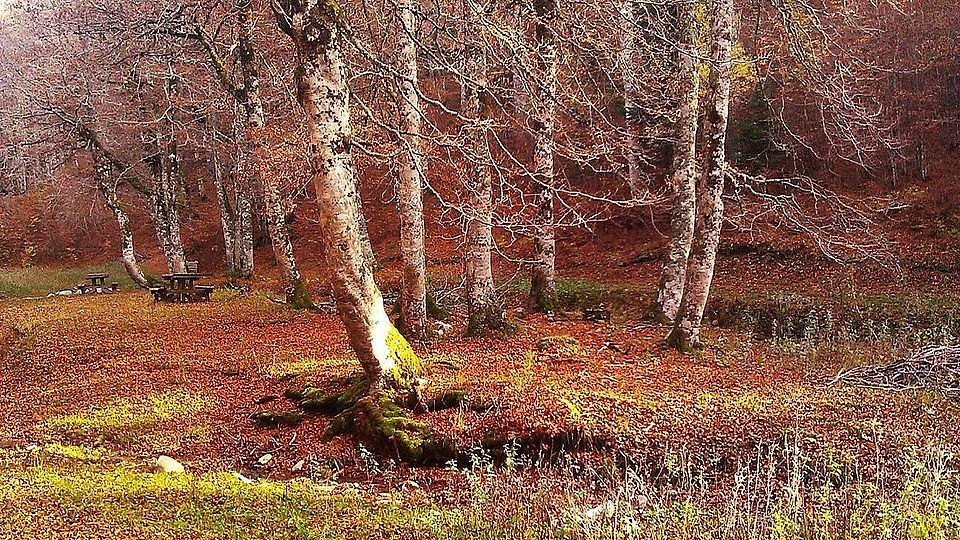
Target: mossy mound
377,418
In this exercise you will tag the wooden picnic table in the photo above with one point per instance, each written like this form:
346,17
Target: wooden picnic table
97,279
182,288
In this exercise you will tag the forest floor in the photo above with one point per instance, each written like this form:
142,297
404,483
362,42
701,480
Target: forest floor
745,439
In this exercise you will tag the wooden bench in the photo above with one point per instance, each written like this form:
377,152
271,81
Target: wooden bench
204,292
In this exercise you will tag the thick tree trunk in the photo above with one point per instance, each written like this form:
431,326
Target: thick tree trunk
683,175
706,240
543,286
163,201
413,289
632,68
482,307
108,188
323,93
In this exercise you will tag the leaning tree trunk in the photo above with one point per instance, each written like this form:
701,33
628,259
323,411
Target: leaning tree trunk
248,94
703,255
683,178
413,288
482,307
108,188
322,91
632,69
543,285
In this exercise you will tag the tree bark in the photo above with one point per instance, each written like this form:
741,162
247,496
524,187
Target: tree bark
165,170
243,222
482,307
631,70
706,240
543,286
413,289
228,223
107,186
684,169
322,91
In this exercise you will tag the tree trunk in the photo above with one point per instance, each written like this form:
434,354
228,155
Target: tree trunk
413,289
322,91
543,286
632,69
228,223
683,175
482,308
108,188
163,201
248,94
243,223
706,240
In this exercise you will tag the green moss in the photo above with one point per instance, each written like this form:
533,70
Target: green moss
125,420
491,318
298,297
78,453
448,400
379,420
317,401
407,365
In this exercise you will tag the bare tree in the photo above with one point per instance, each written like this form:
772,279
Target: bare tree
684,167
543,285
706,240
413,289
324,95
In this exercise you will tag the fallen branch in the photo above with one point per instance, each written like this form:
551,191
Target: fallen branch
930,368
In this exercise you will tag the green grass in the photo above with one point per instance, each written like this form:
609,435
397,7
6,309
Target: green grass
35,281
47,496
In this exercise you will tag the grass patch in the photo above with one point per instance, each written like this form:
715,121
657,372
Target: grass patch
125,420
36,281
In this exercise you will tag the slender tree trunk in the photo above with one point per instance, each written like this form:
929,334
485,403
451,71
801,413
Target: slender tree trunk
243,222
543,286
323,93
228,221
482,306
413,289
248,94
683,175
706,240
108,188
632,69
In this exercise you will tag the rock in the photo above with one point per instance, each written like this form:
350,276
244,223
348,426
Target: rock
169,465
298,466
603,510
242,478
32,448
440,328
265,460
65,293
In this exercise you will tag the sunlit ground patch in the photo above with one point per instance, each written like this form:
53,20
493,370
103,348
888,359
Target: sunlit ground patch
127,420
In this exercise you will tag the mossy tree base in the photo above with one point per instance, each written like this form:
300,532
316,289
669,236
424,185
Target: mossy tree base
378,419
489,318
299,298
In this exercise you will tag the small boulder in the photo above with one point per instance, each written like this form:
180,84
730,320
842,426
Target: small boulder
169,465
265,460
